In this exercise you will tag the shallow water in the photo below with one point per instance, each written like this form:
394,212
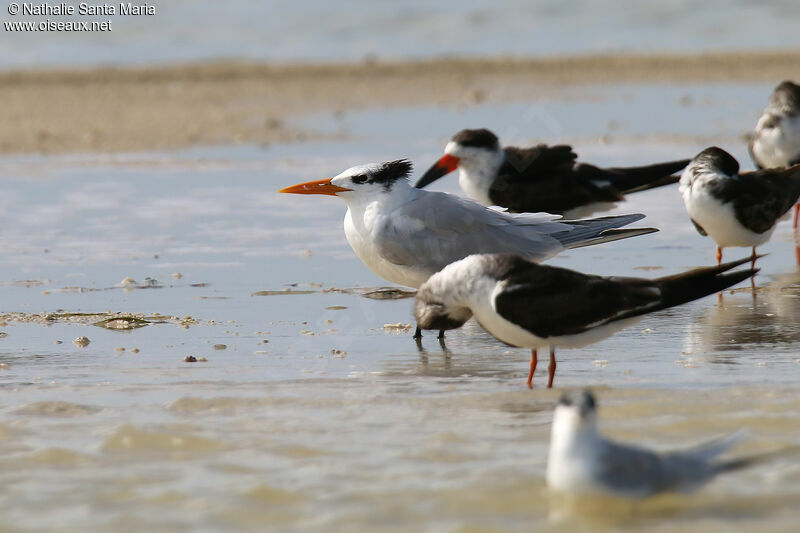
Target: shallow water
313,415
273,30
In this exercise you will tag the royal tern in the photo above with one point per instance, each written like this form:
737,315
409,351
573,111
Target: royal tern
405,234
582,461
736,208
776,140
533,306
541,178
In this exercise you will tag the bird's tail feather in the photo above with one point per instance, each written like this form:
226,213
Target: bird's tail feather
611,235
708,450
694,284
633,179
591,231
731,465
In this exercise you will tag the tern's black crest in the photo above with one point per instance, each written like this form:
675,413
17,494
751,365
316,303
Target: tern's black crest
481,138
390,172
786,97
718,158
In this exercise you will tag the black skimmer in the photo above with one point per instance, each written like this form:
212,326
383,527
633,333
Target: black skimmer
776,140
542,178
581,461
736,208
528,305
405,234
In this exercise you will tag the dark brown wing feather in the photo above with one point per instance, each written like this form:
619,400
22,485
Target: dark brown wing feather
761,197
543,178
546,178
699,228
551,301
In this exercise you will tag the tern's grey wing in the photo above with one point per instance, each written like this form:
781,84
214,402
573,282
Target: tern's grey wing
439,228
632,472
636,472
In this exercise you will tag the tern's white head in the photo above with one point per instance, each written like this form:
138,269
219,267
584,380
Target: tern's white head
477,154
575,413
360,182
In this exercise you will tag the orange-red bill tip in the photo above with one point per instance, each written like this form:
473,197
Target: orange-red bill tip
315,187
447,163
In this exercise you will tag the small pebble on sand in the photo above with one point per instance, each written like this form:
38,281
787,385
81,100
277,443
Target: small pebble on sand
81,341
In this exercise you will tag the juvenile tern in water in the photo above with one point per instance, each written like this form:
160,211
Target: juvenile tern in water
581,461
540,178
776,140
533,306
405,234
736,208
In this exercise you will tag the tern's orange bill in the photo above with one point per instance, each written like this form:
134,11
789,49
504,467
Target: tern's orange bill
315,187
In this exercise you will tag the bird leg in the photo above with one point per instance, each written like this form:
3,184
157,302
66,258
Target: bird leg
417,333
796,215
753,277
719,262
534,361
441,331
443,346
552,367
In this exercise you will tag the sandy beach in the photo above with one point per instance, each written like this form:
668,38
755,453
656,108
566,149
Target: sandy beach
161,108
184,348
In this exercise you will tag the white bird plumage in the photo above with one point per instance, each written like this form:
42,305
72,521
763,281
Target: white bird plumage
776,139
582,461
734,208
405,234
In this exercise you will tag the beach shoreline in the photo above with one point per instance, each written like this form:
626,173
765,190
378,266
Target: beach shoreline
146,108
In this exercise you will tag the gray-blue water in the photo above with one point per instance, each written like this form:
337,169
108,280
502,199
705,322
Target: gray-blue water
197,30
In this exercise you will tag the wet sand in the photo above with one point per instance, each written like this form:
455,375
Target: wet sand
163,108
256,394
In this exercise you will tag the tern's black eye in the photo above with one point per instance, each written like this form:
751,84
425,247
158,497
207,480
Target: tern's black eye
359,179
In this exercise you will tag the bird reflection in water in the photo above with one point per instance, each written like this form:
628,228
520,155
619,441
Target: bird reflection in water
739,322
